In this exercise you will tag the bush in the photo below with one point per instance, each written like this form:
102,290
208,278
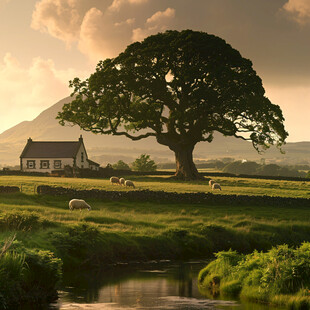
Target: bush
79,245
42,273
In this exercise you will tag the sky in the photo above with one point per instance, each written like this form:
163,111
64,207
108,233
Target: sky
46,43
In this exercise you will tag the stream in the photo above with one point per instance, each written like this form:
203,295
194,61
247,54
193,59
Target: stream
154,285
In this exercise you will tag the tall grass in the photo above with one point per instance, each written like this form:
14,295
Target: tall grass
27,276
280,276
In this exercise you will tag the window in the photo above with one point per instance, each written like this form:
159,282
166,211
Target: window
44,164
82,157
57,164
31,164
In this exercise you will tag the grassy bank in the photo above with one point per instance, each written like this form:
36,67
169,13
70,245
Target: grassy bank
279,277
134,231
115,231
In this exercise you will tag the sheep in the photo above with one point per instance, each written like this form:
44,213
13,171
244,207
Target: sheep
122,181
216,186
211,182
129,183
79,204
114,180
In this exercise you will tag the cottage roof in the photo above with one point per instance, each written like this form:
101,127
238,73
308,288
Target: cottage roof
51,149
93,163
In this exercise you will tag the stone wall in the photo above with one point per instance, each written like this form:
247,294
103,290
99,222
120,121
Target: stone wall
173,197
9,189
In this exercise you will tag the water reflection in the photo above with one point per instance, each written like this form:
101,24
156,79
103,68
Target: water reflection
141,286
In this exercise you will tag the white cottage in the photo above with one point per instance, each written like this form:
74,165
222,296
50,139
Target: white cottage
45,156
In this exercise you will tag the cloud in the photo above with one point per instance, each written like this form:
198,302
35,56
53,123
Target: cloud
101,36
158,22
31,89
60,18
117,4
298,10
100,28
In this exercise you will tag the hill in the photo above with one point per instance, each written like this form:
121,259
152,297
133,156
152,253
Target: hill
104,149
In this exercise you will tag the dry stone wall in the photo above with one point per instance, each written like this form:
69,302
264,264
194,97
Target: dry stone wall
9,189
173,197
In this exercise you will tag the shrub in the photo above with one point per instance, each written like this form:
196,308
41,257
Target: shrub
42,273
79,245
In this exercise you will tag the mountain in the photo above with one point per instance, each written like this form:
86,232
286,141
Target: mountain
108,148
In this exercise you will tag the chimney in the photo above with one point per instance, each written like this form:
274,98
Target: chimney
29,140
81,138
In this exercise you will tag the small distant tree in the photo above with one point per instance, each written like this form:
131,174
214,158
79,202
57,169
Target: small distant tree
121,165
144,163
109,167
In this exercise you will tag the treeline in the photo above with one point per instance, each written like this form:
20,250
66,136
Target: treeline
253,168
230,166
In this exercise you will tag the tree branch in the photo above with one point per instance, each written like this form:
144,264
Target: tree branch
124,133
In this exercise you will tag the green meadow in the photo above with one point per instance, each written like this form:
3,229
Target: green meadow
122,231
230,185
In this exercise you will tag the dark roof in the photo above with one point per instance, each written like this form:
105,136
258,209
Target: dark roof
92,163
51,149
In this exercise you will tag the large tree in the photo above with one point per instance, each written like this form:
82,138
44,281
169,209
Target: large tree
179,87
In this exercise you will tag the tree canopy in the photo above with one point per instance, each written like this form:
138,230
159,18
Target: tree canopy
179,87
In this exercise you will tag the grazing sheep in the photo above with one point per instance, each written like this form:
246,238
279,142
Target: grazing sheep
216,186
122,181
114,180
211,182
78,204
129,183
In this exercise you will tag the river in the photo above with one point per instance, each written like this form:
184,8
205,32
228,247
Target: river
154,285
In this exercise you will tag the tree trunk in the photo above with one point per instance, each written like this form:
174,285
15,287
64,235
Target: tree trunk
185,167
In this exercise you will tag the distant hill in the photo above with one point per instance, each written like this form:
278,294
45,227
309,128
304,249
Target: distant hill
104,148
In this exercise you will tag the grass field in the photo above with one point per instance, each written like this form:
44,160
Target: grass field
229,185
268,225
116,231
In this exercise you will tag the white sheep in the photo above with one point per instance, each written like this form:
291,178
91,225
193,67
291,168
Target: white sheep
122,181
78,204
114,180
216,186
211,182
129,183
